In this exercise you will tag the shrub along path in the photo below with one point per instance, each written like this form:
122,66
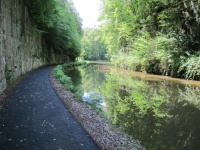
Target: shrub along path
35,118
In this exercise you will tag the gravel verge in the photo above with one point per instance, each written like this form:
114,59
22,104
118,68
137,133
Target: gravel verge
106,135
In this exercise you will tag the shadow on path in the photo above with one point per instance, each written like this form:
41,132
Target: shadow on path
36,119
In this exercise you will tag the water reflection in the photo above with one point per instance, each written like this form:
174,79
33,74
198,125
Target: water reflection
90,79
95,100
151,112
163,115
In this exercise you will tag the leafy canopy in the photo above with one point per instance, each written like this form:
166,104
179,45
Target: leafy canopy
173,32
93,48
60,24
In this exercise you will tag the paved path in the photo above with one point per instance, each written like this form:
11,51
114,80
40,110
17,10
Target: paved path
36,119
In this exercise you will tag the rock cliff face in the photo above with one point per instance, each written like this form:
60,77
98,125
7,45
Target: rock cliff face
21,45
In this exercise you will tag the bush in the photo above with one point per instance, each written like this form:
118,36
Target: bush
66,81
152,55
191,68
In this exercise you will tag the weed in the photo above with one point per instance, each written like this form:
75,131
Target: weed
66,81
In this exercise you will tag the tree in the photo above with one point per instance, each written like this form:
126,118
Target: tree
126,24
93,47
60,24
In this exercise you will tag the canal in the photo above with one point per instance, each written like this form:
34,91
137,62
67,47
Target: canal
161,112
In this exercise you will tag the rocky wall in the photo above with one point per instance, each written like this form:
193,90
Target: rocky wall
21,45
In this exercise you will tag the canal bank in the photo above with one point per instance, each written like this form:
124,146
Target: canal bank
163,109
106,135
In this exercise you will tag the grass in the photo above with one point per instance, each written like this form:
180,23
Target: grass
66,81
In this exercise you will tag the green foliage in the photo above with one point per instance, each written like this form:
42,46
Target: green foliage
60,24
62,78
93,47
66,81
190,95
152,36
159,110
124,94
191,67
73,64
93,101
78,92
153,55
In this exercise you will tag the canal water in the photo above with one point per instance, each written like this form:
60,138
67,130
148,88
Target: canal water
161,112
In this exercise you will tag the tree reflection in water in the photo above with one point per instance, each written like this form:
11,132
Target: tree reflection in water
163,115
152,112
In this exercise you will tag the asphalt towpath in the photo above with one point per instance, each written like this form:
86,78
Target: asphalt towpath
36,118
